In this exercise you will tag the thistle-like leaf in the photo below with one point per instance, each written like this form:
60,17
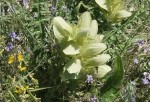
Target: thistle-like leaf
109,91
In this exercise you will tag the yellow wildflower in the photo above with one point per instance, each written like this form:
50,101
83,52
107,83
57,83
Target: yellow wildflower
20,57
21,89
11,59
22,68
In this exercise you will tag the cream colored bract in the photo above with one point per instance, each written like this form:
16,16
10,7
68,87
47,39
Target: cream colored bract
82,43
113,10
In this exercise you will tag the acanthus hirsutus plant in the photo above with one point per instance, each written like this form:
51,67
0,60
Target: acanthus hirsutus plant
83,45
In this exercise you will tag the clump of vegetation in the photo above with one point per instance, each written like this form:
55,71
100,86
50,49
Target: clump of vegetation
74,51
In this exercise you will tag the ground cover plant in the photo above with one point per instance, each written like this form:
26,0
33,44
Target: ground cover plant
74,51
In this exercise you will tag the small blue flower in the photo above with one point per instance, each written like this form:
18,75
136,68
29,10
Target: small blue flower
136,61
140,42
89,79
145,81
53,9
13,36
93,99
9,47
26,3
146,78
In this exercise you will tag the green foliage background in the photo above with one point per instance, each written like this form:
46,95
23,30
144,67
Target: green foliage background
46,60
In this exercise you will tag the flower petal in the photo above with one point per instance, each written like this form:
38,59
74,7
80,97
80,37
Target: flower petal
71,49
92,49
103,70
85,20
62,26
58,35
102,4
98,60
73,66
93,29
122,14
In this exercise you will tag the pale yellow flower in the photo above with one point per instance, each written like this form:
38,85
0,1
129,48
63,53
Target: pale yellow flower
21,89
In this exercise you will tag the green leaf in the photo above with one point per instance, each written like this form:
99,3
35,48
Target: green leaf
92,50
71,49
110,89
66,75
98,60
38,89
73,66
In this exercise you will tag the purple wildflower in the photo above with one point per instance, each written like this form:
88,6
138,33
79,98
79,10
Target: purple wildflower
145,81
147,75
13,36
89,79
136,61
26,3
146,78
9,47
140,42
93,99
53,9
